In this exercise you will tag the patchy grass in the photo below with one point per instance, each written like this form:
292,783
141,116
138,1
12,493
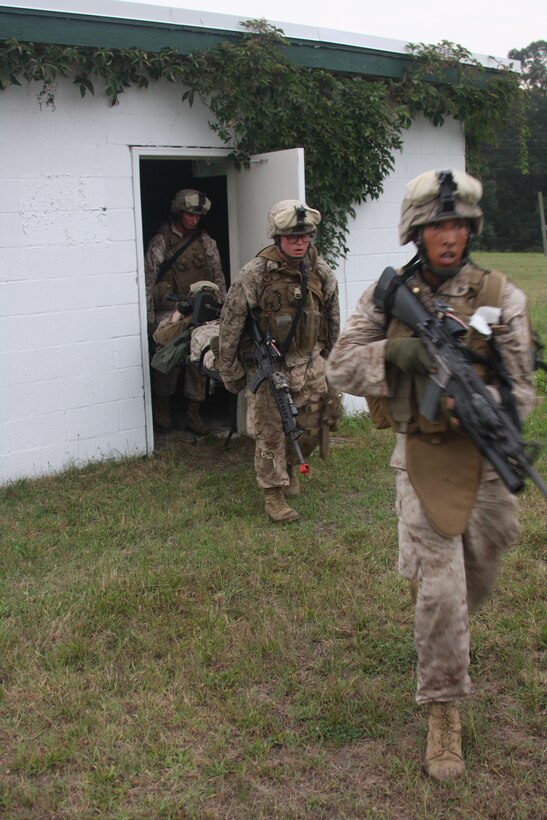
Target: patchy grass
169,653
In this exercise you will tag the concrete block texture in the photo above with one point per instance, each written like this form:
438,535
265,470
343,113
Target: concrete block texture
73,365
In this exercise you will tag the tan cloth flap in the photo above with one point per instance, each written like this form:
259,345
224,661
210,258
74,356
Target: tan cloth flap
445,471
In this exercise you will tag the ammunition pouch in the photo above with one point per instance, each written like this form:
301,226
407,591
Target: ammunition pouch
331,408
309,417
330,415
379,412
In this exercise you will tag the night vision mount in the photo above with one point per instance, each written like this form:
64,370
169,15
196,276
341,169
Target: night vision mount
448,188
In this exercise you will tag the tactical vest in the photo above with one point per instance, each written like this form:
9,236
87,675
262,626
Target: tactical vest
279,299
444,465
401,411
189,267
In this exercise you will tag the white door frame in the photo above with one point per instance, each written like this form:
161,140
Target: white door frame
251,192
139,152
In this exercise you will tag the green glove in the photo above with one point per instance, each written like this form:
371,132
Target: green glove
409,355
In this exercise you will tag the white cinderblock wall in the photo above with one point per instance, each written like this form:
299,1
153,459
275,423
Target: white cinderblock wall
72,367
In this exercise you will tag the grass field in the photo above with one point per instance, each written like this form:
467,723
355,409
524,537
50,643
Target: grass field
166,652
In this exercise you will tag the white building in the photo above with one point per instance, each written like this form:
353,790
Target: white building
83,187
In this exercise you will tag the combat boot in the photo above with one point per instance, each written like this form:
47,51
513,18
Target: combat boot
294,484
161,414
277,508
194,422
443,756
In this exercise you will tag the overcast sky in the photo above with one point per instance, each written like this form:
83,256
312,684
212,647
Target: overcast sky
482,26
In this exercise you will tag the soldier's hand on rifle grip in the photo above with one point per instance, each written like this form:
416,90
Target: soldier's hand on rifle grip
409,355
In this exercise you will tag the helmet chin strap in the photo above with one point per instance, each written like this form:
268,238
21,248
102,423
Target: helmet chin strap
442,273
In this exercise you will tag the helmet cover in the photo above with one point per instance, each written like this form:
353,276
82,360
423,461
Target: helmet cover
191,201
440,195
291,217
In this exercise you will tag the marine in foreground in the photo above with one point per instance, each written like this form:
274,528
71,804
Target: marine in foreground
456,513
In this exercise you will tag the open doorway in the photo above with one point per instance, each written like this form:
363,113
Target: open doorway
241,198
160,179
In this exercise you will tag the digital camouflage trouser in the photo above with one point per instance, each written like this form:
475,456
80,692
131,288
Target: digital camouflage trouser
165,384
274,453
454,576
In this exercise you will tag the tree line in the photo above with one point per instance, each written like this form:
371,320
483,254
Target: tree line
510,202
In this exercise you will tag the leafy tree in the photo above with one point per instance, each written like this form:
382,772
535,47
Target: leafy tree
510,200
534,65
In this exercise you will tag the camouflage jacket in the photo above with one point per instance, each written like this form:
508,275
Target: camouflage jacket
156,254
245,296
357,364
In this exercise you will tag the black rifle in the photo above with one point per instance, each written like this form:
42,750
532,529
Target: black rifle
487,424
265,356
203,307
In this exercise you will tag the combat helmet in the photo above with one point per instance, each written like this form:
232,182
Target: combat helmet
436,196
291,217
191,201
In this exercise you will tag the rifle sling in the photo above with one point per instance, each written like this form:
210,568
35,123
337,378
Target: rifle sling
168,263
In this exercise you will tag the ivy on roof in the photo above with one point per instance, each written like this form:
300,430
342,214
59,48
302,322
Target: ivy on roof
349,125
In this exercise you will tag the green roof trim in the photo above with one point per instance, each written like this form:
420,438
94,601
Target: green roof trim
73,29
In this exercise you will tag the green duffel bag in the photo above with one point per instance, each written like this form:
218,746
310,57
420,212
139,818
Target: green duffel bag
173,354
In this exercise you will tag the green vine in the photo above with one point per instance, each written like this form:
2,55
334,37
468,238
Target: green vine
350,126
447,80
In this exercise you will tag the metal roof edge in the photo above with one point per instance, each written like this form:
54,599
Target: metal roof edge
126,24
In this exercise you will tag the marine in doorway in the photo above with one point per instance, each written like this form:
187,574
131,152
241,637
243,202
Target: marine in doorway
179,255
293,295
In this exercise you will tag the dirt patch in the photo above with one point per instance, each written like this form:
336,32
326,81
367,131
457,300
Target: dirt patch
211,452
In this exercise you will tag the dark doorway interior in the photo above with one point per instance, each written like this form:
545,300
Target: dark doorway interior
160,181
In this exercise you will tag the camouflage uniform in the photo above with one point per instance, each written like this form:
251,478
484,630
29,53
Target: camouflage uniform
455,573
304,364
200,261
202,257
